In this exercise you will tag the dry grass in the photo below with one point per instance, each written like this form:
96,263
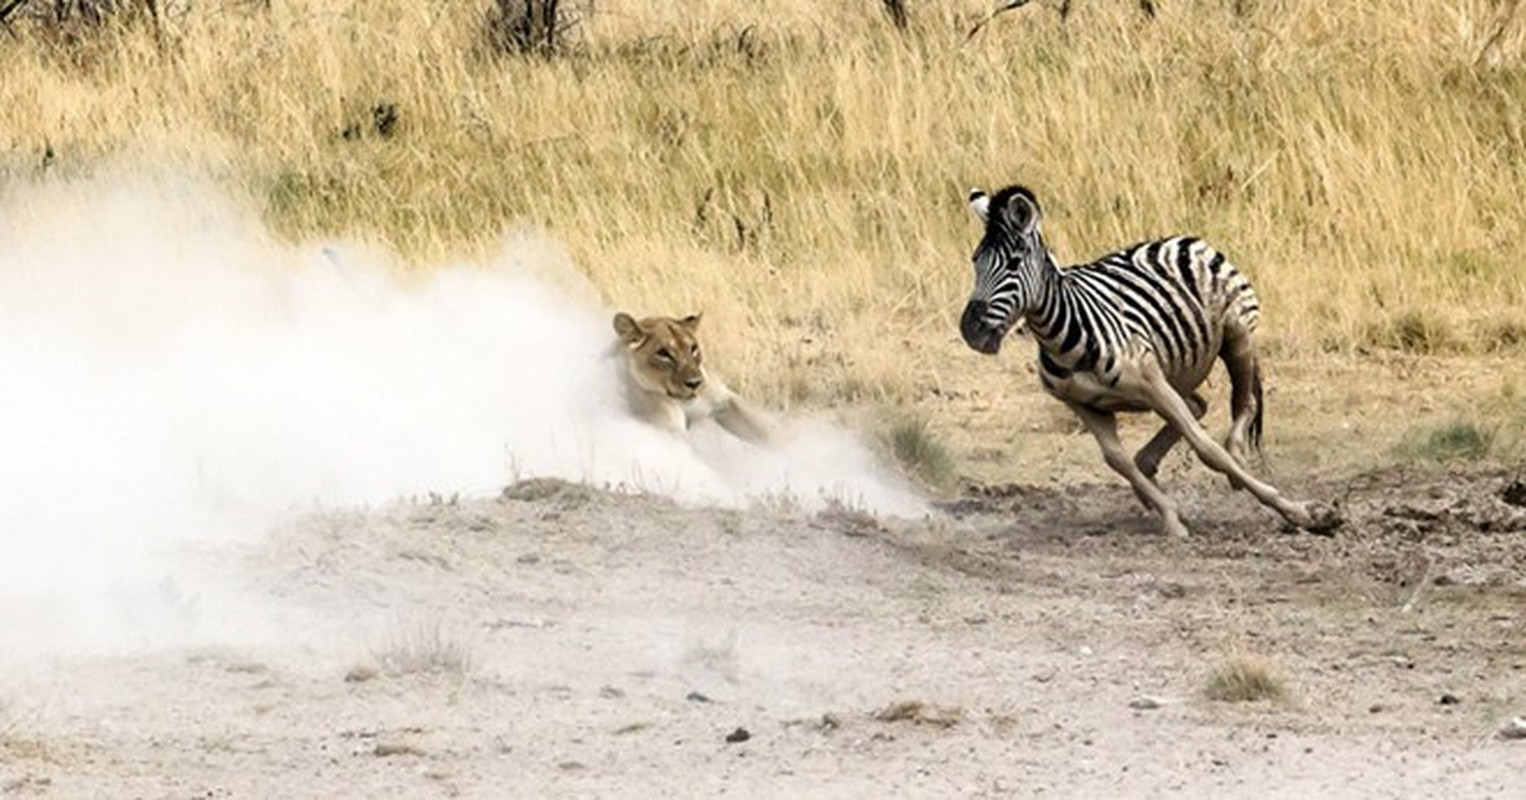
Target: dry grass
424,648
797,169
921,453
1246,679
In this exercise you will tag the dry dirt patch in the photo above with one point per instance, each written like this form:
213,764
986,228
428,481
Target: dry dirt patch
1020,640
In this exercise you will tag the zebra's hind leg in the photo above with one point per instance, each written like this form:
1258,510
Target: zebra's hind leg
1311,516
1104,427
1239,356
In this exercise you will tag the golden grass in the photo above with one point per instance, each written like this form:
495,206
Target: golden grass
1246,679
797,169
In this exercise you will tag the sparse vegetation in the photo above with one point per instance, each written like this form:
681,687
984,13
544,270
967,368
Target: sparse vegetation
1455,440
1246,679
920,452
421,648
920,713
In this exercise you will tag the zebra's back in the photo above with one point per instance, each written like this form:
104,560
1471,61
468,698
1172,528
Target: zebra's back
1179,296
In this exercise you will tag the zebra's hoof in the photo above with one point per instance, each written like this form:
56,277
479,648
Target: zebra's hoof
1323,519
1174,528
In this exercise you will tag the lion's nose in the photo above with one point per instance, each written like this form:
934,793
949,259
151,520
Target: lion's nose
693,383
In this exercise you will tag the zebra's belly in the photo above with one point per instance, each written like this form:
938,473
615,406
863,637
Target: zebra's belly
1186,380
1091,390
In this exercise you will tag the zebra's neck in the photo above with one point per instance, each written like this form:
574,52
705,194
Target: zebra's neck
1049,304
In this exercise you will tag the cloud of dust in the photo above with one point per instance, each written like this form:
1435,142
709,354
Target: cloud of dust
173,379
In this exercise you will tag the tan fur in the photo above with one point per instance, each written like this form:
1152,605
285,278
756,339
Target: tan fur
666,384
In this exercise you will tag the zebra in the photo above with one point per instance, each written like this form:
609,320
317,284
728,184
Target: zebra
1137,330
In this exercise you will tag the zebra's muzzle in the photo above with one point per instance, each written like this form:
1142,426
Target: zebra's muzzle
977,334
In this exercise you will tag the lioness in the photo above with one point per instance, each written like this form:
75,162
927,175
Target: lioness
666,384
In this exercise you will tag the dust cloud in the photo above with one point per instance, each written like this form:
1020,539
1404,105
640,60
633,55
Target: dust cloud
174,380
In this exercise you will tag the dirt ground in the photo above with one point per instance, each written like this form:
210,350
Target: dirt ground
1015,641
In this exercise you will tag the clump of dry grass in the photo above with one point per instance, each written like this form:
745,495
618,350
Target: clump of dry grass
1246,679
920,713
425,648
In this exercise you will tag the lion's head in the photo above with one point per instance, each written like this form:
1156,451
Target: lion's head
663,354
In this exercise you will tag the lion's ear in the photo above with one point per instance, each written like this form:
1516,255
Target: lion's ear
627,329
691,322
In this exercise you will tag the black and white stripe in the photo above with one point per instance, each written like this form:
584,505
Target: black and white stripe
1173,298
1136,330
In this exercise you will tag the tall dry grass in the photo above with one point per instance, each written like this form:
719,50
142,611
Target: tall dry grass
797,169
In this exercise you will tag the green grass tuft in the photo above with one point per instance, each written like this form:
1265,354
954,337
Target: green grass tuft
921,453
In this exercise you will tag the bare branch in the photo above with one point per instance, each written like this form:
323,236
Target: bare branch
1005,7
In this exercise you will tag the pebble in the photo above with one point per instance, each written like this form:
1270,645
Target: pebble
1514,729
1144,704
738,735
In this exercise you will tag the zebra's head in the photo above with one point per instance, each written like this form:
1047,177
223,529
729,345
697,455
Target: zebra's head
1008,265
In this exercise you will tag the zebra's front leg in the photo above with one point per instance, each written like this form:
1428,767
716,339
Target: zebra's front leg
1311,516
1149,457
1104,427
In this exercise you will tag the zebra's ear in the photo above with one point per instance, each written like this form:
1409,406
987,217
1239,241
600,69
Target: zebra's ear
980,204
1022,213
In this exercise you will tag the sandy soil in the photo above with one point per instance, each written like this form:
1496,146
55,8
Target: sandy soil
1019,641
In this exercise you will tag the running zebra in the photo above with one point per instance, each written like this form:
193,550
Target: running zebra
1137,330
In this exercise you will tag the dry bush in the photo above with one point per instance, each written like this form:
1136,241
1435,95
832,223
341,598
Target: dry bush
1246,679
423,648
538,27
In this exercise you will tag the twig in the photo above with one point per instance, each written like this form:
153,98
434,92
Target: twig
8,9
1008,6
1502,19
1425,578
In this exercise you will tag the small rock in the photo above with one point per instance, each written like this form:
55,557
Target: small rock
1515,493
389,749
360,674
737,736
1375,708
1144,704
830,722
698,697
1448,699
611,692
528,558
1514,729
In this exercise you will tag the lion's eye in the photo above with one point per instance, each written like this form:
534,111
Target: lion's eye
664,355
694,350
